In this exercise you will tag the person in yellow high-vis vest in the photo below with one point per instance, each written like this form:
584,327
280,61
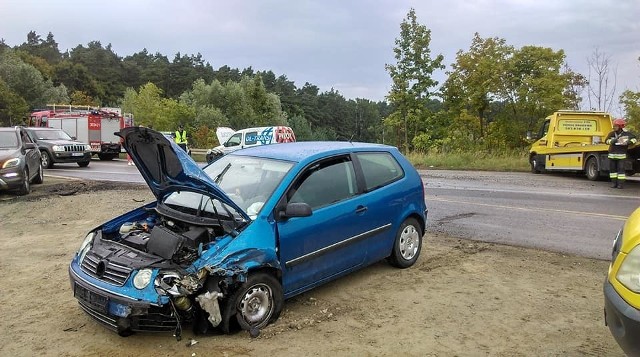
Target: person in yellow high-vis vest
181,137
618,141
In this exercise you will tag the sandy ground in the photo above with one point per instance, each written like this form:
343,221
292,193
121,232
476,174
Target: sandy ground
462,298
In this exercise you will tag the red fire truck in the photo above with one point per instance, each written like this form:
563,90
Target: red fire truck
90,125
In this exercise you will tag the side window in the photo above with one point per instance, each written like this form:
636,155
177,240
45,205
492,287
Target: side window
379,169
25,137
251,138
234,140
325,183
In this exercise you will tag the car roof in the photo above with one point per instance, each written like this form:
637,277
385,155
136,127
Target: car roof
9,128
301,150
41,128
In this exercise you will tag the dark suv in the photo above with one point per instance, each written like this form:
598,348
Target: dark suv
57,147
20,162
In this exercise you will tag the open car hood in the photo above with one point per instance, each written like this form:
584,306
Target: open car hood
223,134
167,168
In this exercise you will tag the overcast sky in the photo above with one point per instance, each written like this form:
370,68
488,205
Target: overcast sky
340,44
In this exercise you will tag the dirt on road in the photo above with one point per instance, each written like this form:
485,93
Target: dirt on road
462,298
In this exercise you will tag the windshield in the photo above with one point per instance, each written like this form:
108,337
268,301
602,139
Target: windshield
8,140
51,135
248,181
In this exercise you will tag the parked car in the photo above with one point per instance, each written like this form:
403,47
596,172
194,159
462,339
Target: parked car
231,140
622,287
224,246
56,146
20,162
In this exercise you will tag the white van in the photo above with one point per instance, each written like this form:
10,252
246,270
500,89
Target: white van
234,140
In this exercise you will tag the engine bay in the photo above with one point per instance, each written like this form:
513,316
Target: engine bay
168,239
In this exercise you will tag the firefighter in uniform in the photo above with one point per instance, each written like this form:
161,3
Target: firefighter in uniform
618,141
181,137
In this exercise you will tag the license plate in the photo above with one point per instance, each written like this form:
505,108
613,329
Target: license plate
77,154
96,301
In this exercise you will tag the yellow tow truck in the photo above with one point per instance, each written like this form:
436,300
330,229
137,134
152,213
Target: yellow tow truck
574,141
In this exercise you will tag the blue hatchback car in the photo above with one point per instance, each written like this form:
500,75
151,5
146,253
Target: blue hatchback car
224,246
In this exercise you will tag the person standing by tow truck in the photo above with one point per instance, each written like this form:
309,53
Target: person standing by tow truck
181,137
618,141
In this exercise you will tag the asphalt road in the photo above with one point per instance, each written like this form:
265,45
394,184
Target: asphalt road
557,212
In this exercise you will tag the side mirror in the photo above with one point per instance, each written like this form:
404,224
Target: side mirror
74,138
529,135
30,146
295,209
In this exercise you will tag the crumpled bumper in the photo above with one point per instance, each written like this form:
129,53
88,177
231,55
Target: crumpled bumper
119,313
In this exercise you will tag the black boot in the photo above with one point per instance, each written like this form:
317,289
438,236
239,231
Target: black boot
620,183
614,183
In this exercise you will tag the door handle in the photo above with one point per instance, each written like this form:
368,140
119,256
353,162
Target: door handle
361,209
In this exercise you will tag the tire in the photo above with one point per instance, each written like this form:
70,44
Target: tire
407,246
83,163
534,164
47,161
39,176
25,187
257,302
591,169
107,157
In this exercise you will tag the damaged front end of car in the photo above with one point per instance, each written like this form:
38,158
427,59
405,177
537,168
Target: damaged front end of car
173,261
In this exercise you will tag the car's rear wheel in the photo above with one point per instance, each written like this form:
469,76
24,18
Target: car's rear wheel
39,176
406,248
257,302
25,187
47,161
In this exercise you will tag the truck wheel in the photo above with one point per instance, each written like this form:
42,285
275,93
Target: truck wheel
591,169
535,165
106,157
47,162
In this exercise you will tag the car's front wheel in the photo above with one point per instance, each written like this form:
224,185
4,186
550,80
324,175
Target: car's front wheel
39,176
257,302
47,161
25,187
406,248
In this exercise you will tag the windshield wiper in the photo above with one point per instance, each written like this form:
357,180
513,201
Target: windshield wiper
219,176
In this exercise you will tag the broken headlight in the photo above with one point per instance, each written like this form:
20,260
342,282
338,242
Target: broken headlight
142,278
166,283
85,246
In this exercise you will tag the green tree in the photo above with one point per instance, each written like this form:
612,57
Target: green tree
13,108
631,103
411,76
27,82
105,66
476,76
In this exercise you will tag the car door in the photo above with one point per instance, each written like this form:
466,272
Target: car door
32,155
316,248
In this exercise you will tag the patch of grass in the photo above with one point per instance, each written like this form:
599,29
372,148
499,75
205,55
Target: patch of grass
507,161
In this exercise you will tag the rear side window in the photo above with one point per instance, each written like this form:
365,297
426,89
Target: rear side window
251,138
379,169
